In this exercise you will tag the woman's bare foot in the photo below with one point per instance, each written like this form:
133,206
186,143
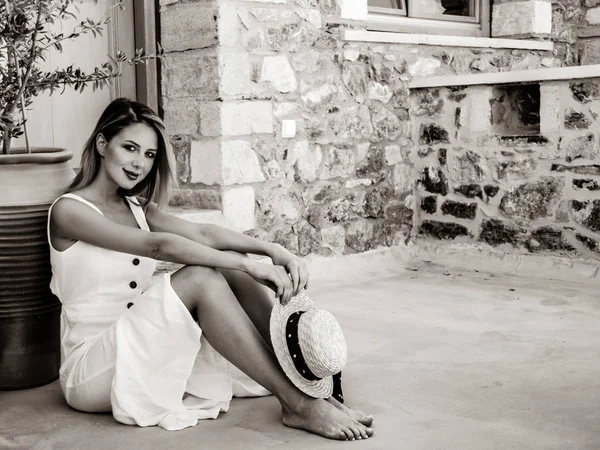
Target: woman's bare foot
357,415
322,418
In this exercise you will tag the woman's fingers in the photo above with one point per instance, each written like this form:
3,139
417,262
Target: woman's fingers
295,274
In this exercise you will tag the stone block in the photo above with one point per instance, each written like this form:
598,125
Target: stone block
194,74
434,181
181,116
187,26
592,16
590,51
429,204
460,210
308,161
466,166
238,207
550,110
584,147
433,134
181,150
337,162
533,200
334,238
224,163
235,69
533,17
480,109
575,120
469,190
443,230
240,163
196,198
495,232
205,162
236,118
228,24
277,71
548,238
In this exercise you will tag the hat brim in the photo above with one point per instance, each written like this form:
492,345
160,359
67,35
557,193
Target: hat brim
279,316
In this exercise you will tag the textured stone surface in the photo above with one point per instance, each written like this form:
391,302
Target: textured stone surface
238,207
375,200
470,190
584,147
433,134
532,17
236,118
491,190
587,213
517,169
428,102
495,232
466,166
588,169
277,71
590,244
459,210
443,230
309,239
309,160
584,92
191,74
385,124
334,238
397,212
434,181
359,235
429,204
548,238
587,184
208,198
187,26
181,150
532,200
355,78
337,162
575,120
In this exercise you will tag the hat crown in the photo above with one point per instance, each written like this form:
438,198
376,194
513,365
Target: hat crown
322,342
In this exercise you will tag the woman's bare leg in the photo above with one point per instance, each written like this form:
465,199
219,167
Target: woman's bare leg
230,331
258,300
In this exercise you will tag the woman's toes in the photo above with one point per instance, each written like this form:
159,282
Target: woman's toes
363,432
356,432
349,434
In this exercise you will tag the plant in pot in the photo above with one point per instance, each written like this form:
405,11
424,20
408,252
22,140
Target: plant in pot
32,178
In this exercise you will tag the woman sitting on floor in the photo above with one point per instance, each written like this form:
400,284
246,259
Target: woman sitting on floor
157,350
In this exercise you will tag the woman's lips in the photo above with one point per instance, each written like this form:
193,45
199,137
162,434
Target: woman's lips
131,175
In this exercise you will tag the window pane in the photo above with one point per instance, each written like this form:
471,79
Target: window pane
442,9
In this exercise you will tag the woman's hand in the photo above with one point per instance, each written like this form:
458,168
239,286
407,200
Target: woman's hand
295,267
274,277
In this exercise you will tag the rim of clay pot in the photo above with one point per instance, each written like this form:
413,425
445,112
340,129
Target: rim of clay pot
38,155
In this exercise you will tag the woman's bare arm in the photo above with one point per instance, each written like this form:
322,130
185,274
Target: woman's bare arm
74,220
210,235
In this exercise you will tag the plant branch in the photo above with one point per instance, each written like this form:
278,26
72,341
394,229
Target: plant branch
38,22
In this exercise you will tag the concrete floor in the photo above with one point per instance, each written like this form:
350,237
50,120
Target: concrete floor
445,358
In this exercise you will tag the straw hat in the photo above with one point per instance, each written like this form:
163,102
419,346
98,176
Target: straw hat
309,345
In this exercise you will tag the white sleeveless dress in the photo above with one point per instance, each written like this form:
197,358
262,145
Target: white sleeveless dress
130,346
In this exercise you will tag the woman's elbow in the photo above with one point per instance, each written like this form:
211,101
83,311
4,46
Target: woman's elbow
157,246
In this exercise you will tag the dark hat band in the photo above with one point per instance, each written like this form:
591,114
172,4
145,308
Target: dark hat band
291,337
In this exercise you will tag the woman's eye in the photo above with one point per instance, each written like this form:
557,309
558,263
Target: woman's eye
129,148
150,155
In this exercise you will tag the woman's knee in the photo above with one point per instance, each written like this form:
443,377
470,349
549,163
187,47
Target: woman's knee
200,277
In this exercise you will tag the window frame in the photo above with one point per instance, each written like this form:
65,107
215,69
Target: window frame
378,19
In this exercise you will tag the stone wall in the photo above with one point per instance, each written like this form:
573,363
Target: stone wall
308,140
520,175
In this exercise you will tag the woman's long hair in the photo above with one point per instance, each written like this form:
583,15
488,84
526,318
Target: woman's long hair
119,114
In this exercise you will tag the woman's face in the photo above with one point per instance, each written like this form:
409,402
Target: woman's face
129,155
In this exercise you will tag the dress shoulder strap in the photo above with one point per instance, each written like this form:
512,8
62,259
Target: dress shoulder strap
81,199
138,212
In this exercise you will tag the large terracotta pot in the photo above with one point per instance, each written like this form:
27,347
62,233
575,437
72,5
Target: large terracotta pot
29,313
